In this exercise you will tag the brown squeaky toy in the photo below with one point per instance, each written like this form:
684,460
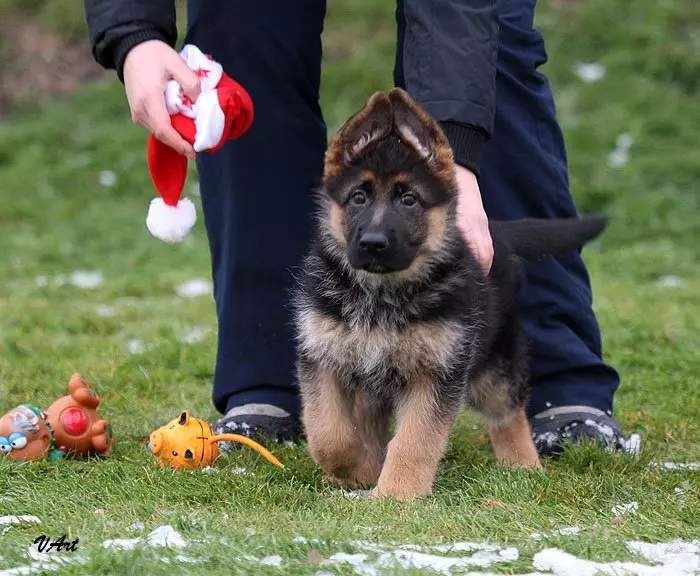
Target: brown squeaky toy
77,426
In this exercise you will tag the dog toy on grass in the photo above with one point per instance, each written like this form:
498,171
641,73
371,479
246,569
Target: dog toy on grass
223,111
70,426
188,442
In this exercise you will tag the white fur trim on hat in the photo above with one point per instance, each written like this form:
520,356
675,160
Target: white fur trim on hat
210,121
171,223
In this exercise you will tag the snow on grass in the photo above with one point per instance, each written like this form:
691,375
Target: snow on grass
194,288
620,155
566,531
589,72
624,509
86,280
669,281
195,335
673,559
676,465
135,346
163,536
107,178
24,519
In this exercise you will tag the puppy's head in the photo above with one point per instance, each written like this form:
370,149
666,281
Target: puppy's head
390,188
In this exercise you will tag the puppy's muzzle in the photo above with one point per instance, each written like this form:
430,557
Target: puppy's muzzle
374,242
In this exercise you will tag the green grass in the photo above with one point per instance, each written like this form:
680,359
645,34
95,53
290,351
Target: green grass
55,218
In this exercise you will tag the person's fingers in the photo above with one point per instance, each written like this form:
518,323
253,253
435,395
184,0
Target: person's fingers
162,129
185,77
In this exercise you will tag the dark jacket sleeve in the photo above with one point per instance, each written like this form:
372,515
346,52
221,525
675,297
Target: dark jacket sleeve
449,53
116,26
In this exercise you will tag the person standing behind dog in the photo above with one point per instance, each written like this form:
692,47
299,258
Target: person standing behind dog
473,64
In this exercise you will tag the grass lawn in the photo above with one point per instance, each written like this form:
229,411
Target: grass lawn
75,193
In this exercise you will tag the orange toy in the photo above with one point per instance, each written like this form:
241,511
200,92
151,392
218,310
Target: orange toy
188,442
77,426
70,425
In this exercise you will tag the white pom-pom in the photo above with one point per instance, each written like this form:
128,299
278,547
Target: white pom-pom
171,223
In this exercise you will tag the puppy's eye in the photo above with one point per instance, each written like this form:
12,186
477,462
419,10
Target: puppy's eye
409,199
358,198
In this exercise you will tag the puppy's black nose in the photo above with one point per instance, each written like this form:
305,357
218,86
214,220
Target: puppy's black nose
374,241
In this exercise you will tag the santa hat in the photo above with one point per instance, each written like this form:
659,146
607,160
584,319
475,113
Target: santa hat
222,111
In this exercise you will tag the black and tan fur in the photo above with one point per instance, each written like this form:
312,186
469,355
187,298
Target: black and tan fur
395,316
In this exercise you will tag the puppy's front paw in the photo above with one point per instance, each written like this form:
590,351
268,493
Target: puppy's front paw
403,490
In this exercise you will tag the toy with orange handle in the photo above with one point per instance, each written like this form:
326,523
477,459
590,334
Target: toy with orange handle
188,442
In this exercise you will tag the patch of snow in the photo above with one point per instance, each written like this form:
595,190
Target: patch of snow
86,280
60,280
49,564
622,509
547,438
195,335
122,543
676,559
224,516
160,537
5,499
137,526
353,494
681,556
105,311
589,72
633,445
166,536
676,465
194,288
566,531
28,519
241,472
604,429
210,470
107,178
409,556
41,281
250,532
275,560
669,281
620,155
135,346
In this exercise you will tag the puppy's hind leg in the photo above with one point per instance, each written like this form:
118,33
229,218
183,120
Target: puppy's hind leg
512,441
499,398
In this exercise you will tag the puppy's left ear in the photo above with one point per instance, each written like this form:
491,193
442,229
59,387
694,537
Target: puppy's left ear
420,131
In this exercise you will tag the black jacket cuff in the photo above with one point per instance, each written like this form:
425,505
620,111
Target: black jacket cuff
129,41
467,143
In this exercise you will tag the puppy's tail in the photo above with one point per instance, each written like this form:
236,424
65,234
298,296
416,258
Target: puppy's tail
532,238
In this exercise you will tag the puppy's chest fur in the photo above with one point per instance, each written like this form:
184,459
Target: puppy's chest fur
377,341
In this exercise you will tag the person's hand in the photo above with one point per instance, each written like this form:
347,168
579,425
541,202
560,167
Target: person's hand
471,218
148,67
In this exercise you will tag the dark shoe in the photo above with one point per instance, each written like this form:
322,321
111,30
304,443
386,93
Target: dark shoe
552,428
262,422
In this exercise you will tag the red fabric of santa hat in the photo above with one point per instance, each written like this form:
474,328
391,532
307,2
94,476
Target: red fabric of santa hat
223,111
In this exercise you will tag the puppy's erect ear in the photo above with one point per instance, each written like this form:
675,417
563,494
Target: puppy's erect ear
370,124
421,131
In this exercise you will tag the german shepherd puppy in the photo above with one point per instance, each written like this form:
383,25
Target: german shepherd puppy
394,316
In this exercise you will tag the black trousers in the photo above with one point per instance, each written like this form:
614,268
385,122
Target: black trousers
257,199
